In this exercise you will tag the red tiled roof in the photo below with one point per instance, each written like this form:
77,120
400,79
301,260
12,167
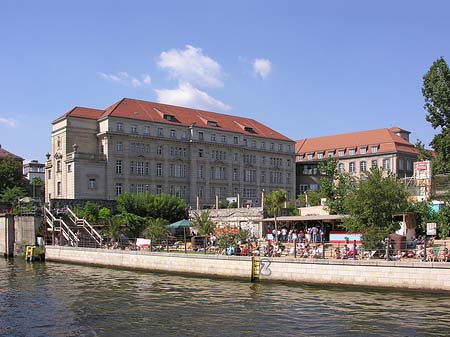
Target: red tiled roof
154,112
386,139
6,154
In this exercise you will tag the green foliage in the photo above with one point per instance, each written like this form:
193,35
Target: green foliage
423,153
148,205
335,187
436,92
203,223
134,224
112,228
156,229
89,212
104,213
224,203
12,194
424,214
313,198
372,205
10,174
228,238
443,222
274,202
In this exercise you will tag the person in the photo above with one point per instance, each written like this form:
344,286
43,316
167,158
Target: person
399,255
314,232
337,253
444,255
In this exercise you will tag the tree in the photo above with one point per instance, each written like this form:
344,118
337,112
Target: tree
156,229
10,174
335,186
423,153
371,207
112,228
274,203
203,223
436,92
148,205
12,194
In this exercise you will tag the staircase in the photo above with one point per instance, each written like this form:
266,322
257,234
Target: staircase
68,229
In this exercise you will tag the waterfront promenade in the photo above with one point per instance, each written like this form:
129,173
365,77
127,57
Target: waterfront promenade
415,275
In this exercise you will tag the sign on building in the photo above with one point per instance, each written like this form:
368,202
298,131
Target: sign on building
431,228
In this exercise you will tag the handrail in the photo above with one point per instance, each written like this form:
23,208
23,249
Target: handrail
63,228
86,225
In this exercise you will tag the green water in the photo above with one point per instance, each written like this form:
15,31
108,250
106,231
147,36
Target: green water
51,299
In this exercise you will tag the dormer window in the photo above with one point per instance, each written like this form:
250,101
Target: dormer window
362,150
351,152
170,118
374,149
310,156
320,155
212,123
341,153
249,129
330,154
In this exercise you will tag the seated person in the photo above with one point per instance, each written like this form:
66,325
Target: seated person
337,253
431,256
399,255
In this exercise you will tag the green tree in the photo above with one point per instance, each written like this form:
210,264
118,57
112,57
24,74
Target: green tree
424,214
436,92
112,228
372,205
423,153
10,174
156,229
335,186
203,223
309,198
274,203
12,194
148,205
443,222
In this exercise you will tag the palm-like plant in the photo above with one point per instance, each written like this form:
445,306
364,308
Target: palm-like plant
203,223
274,203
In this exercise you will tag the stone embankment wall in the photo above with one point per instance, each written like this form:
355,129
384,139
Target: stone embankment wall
6,235
402,275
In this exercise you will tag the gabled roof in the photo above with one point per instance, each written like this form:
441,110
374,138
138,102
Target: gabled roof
150,111
176,115
386,139
6,154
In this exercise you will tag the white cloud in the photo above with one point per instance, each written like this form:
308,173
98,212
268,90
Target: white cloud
262,67
189,96
8,122
191,65
126,79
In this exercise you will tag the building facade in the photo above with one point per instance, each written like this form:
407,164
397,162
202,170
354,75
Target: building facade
137,146
358,152
34,169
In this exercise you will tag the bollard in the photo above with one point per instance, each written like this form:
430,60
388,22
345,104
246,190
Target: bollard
295,248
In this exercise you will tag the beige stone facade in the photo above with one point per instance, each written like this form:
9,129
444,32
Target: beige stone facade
99,156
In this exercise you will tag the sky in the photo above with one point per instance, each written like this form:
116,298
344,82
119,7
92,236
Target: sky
304,68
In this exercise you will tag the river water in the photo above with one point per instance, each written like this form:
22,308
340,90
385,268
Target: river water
52,299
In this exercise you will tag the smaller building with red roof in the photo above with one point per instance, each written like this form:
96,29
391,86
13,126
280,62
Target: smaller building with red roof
357,152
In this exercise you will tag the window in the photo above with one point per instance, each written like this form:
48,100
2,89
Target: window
200,153
320,155
119,127
351,167
235,140
119,190
374,164
235,174
118,166
49,174
363,166
184,135
92,184
374,149
280,147
351,152
289,148
314,187
341,167
159,189
200,173
58,142
330,154
119,146
160,132
253,144
245,142
235,156
159,150
200,192
408,164
147,168
213,137
309,156
288,162
341,153
200,135
263,176
400,164
272,146
146,130
303,188
140,168
173,133
58,166
223,139
288,178
159,169
263,146
134,129
363,150
69,168
58,188
386,164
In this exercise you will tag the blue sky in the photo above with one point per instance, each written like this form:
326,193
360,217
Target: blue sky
305,68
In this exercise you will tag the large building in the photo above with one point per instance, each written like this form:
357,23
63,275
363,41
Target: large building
357,152
34,169
137,146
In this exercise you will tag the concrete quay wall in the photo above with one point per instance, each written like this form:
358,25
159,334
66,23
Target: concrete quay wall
207,265
365,273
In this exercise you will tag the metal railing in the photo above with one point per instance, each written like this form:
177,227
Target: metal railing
58,225
85,225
